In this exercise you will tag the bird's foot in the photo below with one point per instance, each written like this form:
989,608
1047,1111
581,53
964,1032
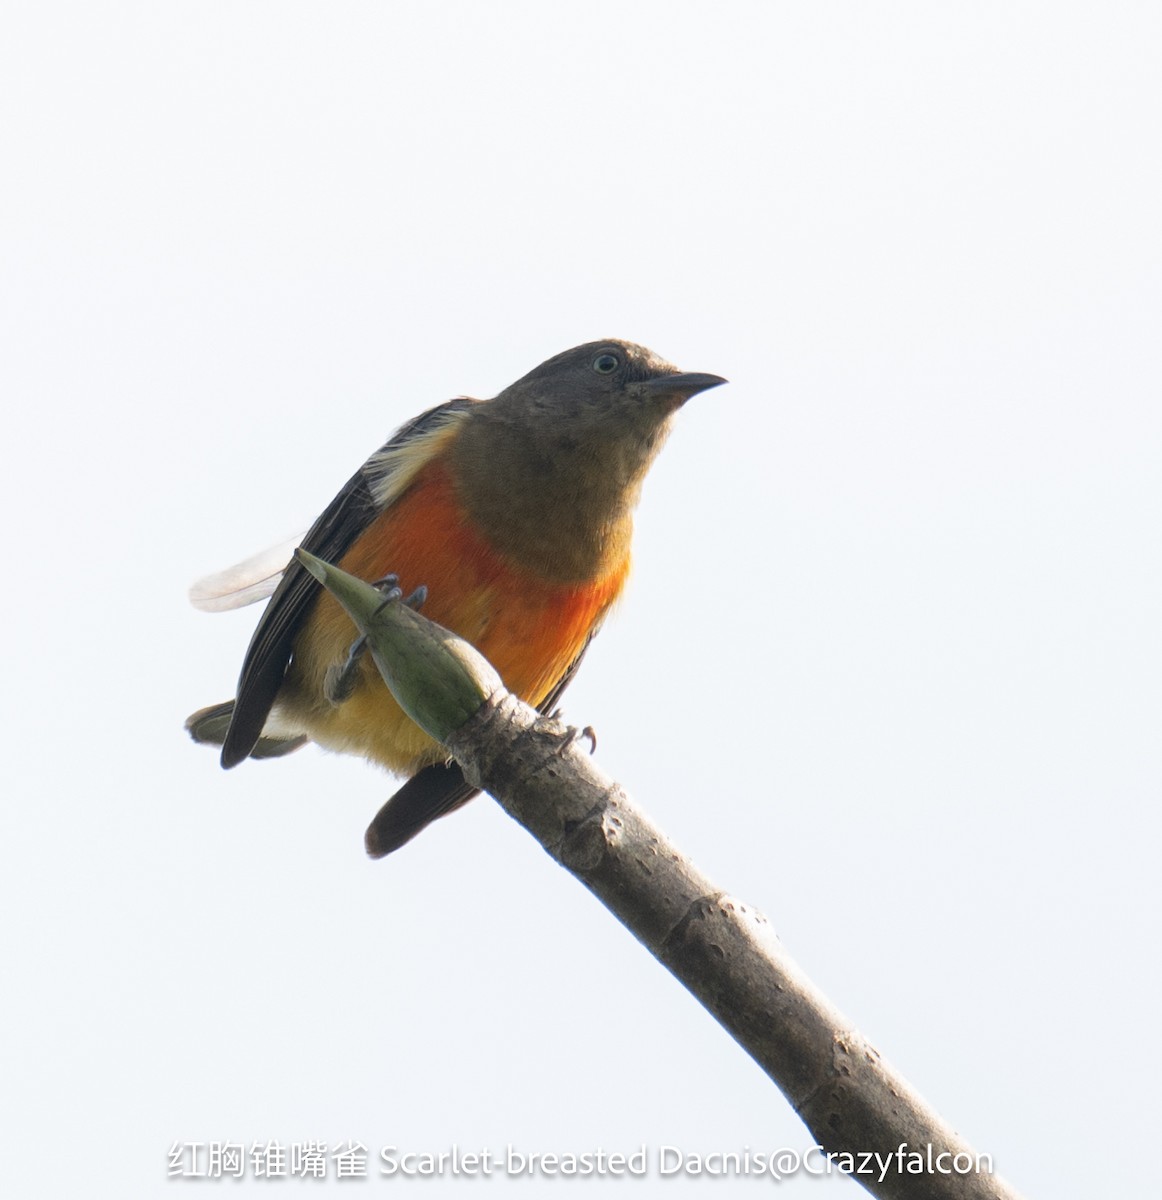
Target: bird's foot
389,588
339,681
573,734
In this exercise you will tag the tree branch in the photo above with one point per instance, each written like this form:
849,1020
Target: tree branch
725,952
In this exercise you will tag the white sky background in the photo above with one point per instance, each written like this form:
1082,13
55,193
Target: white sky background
889,666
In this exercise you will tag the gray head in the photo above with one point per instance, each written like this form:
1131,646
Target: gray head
602,407
561,453
601,381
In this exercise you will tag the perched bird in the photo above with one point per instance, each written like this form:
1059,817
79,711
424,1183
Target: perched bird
514,513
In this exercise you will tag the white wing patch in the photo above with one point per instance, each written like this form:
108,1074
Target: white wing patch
390,471
246,582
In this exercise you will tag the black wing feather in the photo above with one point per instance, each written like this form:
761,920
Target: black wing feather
270,648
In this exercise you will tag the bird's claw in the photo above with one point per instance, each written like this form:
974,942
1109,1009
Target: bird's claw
390,596
573,734
391,591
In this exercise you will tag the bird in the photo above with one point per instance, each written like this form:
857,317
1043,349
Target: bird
513,516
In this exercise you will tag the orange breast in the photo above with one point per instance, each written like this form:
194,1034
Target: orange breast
531,631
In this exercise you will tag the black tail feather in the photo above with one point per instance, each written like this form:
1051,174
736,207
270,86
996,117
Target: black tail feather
208,727
431,793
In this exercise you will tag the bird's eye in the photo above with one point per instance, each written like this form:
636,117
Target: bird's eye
605,364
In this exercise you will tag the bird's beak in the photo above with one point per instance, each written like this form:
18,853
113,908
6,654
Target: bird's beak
683,385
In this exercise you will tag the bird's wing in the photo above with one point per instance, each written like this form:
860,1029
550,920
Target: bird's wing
372,489
246,582
437,790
